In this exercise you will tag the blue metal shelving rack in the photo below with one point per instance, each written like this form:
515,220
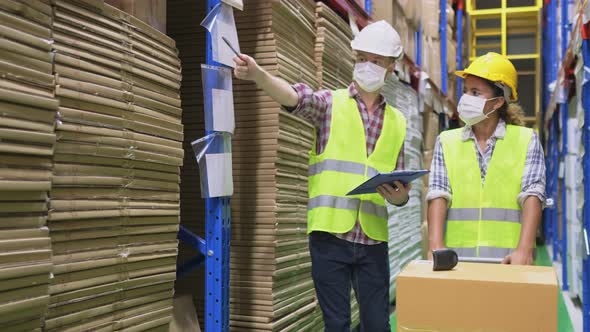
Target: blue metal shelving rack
214,249
553,152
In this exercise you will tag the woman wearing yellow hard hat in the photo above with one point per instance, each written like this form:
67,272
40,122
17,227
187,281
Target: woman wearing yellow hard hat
487,183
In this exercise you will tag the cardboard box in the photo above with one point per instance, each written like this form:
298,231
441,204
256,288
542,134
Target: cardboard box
431,127
430,18
477,297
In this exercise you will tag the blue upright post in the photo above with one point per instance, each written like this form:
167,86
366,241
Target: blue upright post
443,46
548,215
555,187
418,37
369,6
586,209
549,180
551,26
459,16
563,109
552,35
217,228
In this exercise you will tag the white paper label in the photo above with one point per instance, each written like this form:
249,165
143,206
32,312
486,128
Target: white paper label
219,174
223,110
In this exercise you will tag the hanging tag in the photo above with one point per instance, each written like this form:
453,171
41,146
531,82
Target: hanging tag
220,23
213,154
218,98
237,4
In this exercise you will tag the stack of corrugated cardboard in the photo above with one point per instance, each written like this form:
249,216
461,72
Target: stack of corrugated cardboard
115,197
27,141
333,55
271,286
405,238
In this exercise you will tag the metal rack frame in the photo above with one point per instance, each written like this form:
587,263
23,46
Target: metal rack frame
553,109
214,250
525,19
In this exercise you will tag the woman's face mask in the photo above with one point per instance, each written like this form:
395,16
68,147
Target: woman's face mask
471,109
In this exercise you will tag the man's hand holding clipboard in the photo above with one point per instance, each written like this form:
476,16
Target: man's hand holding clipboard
394,186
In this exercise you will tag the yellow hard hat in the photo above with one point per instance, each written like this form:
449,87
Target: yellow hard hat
496,68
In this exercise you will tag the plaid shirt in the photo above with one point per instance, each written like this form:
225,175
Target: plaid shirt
316,107
533,178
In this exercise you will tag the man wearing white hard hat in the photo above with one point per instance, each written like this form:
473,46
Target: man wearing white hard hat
357,136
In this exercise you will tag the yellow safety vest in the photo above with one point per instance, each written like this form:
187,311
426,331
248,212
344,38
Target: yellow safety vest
485,220
343,165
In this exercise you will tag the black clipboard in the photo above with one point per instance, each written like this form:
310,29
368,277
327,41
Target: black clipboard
370,186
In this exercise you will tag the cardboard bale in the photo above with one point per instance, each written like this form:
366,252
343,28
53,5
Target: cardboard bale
115,185
404,222
27,145
430,18
333,55
472,297
152,12
431,127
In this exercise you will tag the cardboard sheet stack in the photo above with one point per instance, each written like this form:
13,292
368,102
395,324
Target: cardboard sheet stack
431,40
405,237
431,127
404,16
271,286
333,55
183,26
115,198
27,141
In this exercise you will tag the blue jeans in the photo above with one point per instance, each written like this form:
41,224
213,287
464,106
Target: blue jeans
336,266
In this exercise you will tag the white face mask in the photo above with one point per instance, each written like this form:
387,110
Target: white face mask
471,109
369,76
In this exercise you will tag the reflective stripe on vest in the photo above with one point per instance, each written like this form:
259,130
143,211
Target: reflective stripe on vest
348,204
484,219
485,252
341,166
495,214
344,164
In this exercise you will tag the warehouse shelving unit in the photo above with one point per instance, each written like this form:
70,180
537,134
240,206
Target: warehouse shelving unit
558,92
213,250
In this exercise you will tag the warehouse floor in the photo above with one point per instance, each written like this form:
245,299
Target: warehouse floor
564,322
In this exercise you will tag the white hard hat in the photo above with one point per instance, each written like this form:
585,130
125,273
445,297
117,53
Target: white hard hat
379,38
